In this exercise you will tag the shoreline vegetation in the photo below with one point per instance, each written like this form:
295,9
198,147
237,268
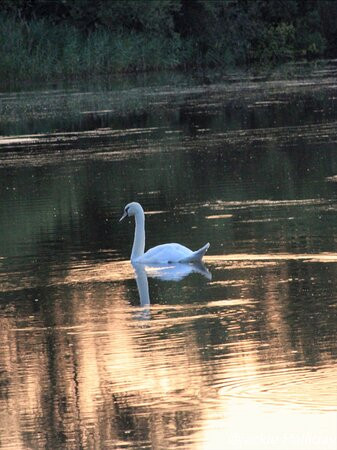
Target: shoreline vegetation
47,40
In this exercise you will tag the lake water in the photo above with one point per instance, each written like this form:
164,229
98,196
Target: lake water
238,355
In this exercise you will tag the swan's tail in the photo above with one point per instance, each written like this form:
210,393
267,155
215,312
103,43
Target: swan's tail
197,255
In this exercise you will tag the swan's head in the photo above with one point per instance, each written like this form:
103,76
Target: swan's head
131,209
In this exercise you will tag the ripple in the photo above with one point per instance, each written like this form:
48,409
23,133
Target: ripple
299,387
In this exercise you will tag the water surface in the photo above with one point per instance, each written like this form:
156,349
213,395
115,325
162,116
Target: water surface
240,354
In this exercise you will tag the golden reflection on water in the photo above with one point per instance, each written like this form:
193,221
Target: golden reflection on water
213,374
319,257
251,426
89,272
219,216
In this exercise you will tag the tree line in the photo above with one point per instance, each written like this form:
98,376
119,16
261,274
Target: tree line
156,34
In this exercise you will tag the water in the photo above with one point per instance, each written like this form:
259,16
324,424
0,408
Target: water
240,354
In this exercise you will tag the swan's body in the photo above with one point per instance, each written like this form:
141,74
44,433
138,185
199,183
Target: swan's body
161,254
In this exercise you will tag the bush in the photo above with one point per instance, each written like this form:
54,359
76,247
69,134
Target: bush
278,43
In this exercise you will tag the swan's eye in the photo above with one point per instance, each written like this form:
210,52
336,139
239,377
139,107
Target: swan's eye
126,210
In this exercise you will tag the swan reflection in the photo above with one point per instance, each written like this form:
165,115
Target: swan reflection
165,272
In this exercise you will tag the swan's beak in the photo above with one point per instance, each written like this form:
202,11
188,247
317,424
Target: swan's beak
123,216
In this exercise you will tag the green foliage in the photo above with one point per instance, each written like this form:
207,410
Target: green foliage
311,41
44,39
278,43
35,50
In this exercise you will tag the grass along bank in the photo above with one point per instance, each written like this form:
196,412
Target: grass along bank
35,50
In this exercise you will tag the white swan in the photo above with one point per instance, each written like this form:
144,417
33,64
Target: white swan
161,254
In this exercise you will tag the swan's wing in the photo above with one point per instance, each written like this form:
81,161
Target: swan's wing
166,253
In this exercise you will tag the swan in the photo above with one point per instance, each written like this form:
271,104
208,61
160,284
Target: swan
161,254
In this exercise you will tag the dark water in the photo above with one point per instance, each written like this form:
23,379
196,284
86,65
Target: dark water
240,355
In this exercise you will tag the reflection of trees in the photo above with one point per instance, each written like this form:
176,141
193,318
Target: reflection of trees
295,301
311,311
94,377
80,370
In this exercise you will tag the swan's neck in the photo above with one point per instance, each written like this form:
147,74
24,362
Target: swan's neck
139,239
